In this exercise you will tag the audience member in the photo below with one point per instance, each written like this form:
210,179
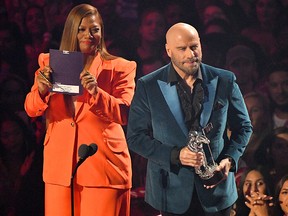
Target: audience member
21,187
13,90
241,60
37,40
56,13
217,26
58,10
40,3
281,55
242,12
254,194
281,197
261,119
282,36
125,29
15,12
215,10
272,153
219,35
12,51
127,9
174,12
284,3
277,86
3,13
215,47
149,53
114,30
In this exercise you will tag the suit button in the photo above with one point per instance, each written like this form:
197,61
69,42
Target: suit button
72,124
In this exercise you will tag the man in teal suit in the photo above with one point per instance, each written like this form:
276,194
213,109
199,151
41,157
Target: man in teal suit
188,95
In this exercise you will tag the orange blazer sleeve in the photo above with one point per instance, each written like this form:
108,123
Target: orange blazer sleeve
115,91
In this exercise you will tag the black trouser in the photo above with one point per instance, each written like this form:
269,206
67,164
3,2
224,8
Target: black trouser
195,209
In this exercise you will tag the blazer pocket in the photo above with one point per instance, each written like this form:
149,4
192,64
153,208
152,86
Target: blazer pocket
217,106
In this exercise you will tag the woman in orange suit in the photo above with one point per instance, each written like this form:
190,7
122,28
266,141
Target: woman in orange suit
102,183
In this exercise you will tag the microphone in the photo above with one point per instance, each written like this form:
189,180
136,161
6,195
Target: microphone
84,152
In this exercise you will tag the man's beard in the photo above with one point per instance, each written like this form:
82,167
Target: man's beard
195,69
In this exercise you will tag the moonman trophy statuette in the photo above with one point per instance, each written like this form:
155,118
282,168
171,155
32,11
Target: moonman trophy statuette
207,172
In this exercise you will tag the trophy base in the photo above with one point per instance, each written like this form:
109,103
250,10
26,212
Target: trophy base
213,180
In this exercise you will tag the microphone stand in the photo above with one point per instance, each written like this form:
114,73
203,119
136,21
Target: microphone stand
72,185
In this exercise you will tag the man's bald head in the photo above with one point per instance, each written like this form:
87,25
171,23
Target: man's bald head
184,48
178,31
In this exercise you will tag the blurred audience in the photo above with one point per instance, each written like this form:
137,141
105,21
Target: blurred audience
21,185
216,10
215,47
37,38
15,12
13,90
217,26
270,19
12,95
261,119
242,12
174,12
12,52
58,11
149,52
115,31
272,153
240,59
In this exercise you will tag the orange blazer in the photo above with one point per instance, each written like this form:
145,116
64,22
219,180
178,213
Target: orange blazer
96,120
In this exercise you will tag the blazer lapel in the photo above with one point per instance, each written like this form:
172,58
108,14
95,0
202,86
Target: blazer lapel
210,92
170,94
96,67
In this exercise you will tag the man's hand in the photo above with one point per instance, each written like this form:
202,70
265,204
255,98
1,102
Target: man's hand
189,158
224,167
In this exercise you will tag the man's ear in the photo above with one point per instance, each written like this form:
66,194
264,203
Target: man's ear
168,51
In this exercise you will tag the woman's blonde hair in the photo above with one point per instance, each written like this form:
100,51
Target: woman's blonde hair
69,40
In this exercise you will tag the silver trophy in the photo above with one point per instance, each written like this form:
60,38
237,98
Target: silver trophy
207,172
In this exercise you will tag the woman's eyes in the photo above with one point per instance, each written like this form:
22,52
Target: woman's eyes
92,30
247,184
81,30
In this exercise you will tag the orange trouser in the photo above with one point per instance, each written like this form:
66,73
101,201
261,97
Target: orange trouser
88,201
